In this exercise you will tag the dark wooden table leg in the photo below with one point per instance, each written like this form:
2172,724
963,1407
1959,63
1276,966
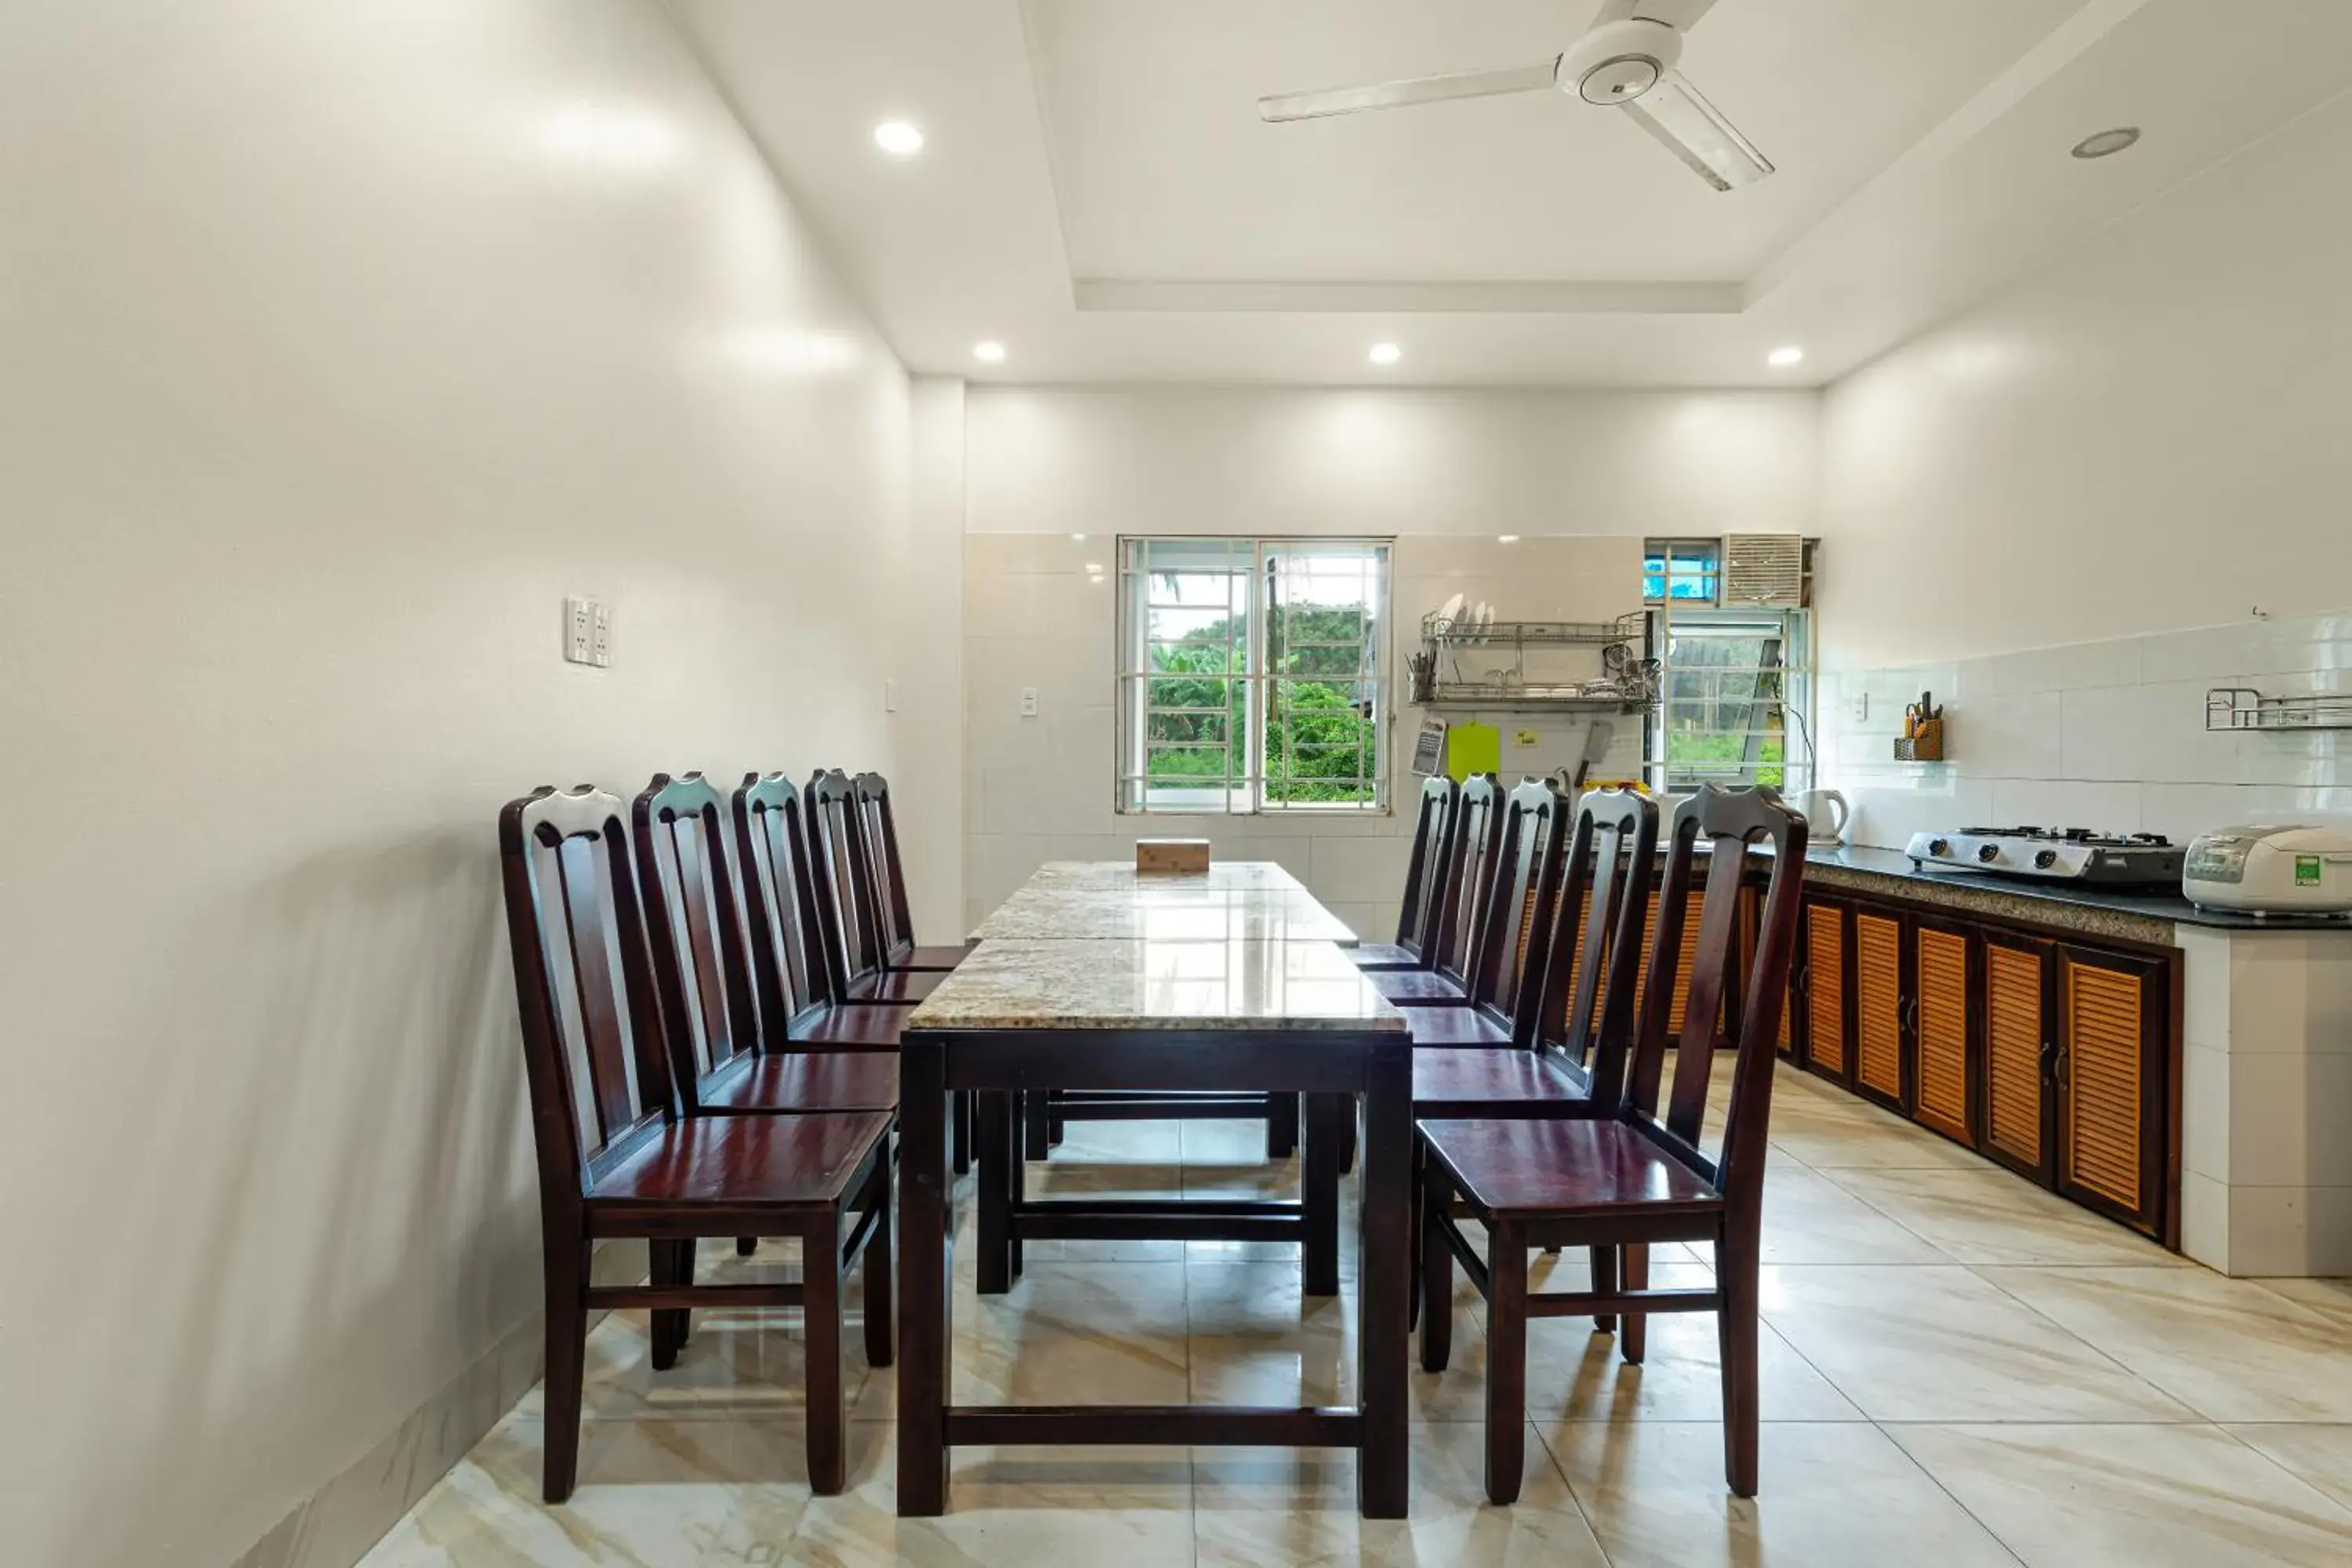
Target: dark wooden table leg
926,1269
993,1136
1384,1281
1035,1123
1318,1186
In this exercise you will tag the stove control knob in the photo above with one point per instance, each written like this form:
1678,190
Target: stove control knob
2046,858
1940,847
1988,853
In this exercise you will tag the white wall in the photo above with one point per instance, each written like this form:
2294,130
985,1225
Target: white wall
1582,477
337,343
2060,509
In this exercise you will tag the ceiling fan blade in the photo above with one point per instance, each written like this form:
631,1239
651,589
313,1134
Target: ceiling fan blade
1678,115
1682,15
1410,91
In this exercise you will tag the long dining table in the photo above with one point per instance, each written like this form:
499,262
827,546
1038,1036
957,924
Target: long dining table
1093,976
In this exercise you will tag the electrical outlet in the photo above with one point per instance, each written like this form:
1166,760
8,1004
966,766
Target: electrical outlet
579,631
1028,702
600,636
1861,708
889,696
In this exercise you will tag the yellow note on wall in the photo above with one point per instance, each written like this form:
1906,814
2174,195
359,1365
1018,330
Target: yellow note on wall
1473,749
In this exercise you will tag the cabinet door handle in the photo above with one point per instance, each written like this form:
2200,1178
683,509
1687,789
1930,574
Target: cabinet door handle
2065,1068
1909,1014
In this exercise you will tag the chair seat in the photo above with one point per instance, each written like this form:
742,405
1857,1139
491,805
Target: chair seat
1451,1083
1416,988
929,958
871,1026
1461,1025
896,986
732,1162
811,1080
1377,955
1564,1170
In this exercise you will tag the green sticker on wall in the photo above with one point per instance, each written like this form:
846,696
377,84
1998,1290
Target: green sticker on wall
2306,870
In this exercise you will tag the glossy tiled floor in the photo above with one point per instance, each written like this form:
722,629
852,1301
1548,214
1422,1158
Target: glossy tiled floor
1957,1370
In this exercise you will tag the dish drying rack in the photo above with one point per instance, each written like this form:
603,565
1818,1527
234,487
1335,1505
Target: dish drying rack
2243,708
1628,682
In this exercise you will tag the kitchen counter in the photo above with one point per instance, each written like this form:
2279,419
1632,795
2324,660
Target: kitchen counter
2132,915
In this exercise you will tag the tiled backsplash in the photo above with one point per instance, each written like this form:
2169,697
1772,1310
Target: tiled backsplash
2100,734
1040,788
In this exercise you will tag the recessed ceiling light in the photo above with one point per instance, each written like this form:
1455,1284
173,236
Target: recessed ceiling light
1386,353
989,351
2102,143
1785,355
899,138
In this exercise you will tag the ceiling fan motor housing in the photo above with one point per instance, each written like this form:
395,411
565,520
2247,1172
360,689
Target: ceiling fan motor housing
1617,62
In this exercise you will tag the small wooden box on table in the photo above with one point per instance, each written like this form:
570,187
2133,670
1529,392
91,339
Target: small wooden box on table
1289,1017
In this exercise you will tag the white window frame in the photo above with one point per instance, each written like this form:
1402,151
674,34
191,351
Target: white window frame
1243,788
1798,766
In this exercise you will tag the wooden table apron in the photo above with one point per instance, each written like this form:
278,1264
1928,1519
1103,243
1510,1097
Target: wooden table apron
1333,1064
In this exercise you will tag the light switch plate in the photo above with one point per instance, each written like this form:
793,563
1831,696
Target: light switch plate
600,634
1861,706
889,696
1028,702
579,631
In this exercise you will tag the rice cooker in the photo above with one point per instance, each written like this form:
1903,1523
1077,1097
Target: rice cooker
2271,869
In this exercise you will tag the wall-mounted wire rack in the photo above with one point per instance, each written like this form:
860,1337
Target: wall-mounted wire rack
2243,708
1628,682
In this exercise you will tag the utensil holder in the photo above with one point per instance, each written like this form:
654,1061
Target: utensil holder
1924,744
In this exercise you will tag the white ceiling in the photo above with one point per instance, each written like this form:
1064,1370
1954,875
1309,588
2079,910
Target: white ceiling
1099,192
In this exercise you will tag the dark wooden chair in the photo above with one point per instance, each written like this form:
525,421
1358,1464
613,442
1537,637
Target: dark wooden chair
1468,881
618,1157
848,905
1635,1178
1433,849
724,1062
878,823
1505,973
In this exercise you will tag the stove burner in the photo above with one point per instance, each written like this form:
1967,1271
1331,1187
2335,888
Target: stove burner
2090,835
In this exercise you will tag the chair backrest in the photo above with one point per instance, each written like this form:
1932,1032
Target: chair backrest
788,971
1587,1010
1515,936
845,886
878,829
592,1031
1733,823
1432,852
686,872
1470,871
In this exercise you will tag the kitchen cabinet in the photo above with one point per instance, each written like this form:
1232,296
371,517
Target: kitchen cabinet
2109,1072
1822,1020
2020,1055
1941,1011
1879,1004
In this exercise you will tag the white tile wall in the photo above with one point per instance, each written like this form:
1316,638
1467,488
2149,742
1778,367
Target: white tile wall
1043,788
2100,734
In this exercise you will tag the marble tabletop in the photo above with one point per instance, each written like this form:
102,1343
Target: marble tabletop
1051,906
1161,984
1122,874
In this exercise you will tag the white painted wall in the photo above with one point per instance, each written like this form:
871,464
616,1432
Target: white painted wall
2059,510
337,343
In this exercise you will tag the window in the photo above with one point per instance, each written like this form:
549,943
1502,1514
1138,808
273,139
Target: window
1735,683
1681,569
1252,675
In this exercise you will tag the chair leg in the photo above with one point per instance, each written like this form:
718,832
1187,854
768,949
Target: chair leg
821,1310
1281,1126
746,1245
1605,1282
960,1129
1347,1126
881,1307
1417,1180
1734,1277
1036,1125
667,1270
1507,1361
1435,1298
566,1271
1633,1339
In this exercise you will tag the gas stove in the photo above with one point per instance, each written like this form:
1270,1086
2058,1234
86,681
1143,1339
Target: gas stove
2055,853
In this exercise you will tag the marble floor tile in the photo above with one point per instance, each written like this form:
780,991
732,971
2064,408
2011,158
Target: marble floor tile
2132,1496
2228,1349
1989,1216
1273,1508
2319,1454
1831,1130
1809,1218
2332,1299
1829,1495
1255,1337
1941,1345
1076,1334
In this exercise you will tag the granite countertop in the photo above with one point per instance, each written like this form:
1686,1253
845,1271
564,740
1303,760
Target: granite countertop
1114,875
1156,985
1191,909
2075,906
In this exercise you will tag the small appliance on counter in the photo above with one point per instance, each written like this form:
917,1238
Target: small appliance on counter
2265,868
2053,854
1825,813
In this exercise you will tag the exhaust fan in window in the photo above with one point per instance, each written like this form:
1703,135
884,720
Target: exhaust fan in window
1764,569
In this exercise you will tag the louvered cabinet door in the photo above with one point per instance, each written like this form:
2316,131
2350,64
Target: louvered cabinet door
1878,1006
1942,1031
1826,1051
2110,1080
2018,1047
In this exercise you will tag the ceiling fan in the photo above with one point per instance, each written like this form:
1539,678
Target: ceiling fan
1624,60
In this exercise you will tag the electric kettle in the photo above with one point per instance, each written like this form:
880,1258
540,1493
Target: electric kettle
1825,813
